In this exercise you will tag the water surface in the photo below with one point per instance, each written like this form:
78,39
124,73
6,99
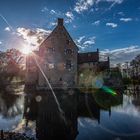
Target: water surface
85,116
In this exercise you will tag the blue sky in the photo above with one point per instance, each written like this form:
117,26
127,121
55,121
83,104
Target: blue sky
113,26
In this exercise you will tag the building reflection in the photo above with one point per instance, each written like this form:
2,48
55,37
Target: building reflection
51,123
132,89
136,96
10,105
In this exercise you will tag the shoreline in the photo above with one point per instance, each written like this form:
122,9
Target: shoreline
8,135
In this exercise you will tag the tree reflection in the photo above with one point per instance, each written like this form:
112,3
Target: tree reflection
10,105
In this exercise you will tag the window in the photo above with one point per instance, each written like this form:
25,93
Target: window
68,51
68,64
50,50
89,54
60,79
67,41
51,66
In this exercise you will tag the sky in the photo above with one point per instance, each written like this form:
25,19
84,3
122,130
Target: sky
113,26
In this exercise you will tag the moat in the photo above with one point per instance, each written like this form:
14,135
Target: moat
77,115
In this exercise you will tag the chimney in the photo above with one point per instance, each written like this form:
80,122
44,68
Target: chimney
97,50
98,54
60,21
108,59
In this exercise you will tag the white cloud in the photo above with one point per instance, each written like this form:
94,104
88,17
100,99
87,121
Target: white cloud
33,37
56,13
113,25
80,39
5,20
126,19
90,41
83,5
74,26
70,17
113,2
7,29
85,43
121,13
121,55
53,12
0,42
44,9
53,24
96,23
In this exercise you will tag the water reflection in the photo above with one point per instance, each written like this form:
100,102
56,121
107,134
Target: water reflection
11,110
87,115
51,124
10,105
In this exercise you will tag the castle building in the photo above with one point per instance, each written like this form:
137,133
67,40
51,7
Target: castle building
57,61
90,60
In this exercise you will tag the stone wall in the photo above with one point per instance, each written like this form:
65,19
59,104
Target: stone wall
58,54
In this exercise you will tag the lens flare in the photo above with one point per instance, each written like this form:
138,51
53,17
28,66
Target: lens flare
108,90
26,50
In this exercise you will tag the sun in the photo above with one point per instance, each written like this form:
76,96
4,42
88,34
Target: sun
26,50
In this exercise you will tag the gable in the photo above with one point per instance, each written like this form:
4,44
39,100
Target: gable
59,32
